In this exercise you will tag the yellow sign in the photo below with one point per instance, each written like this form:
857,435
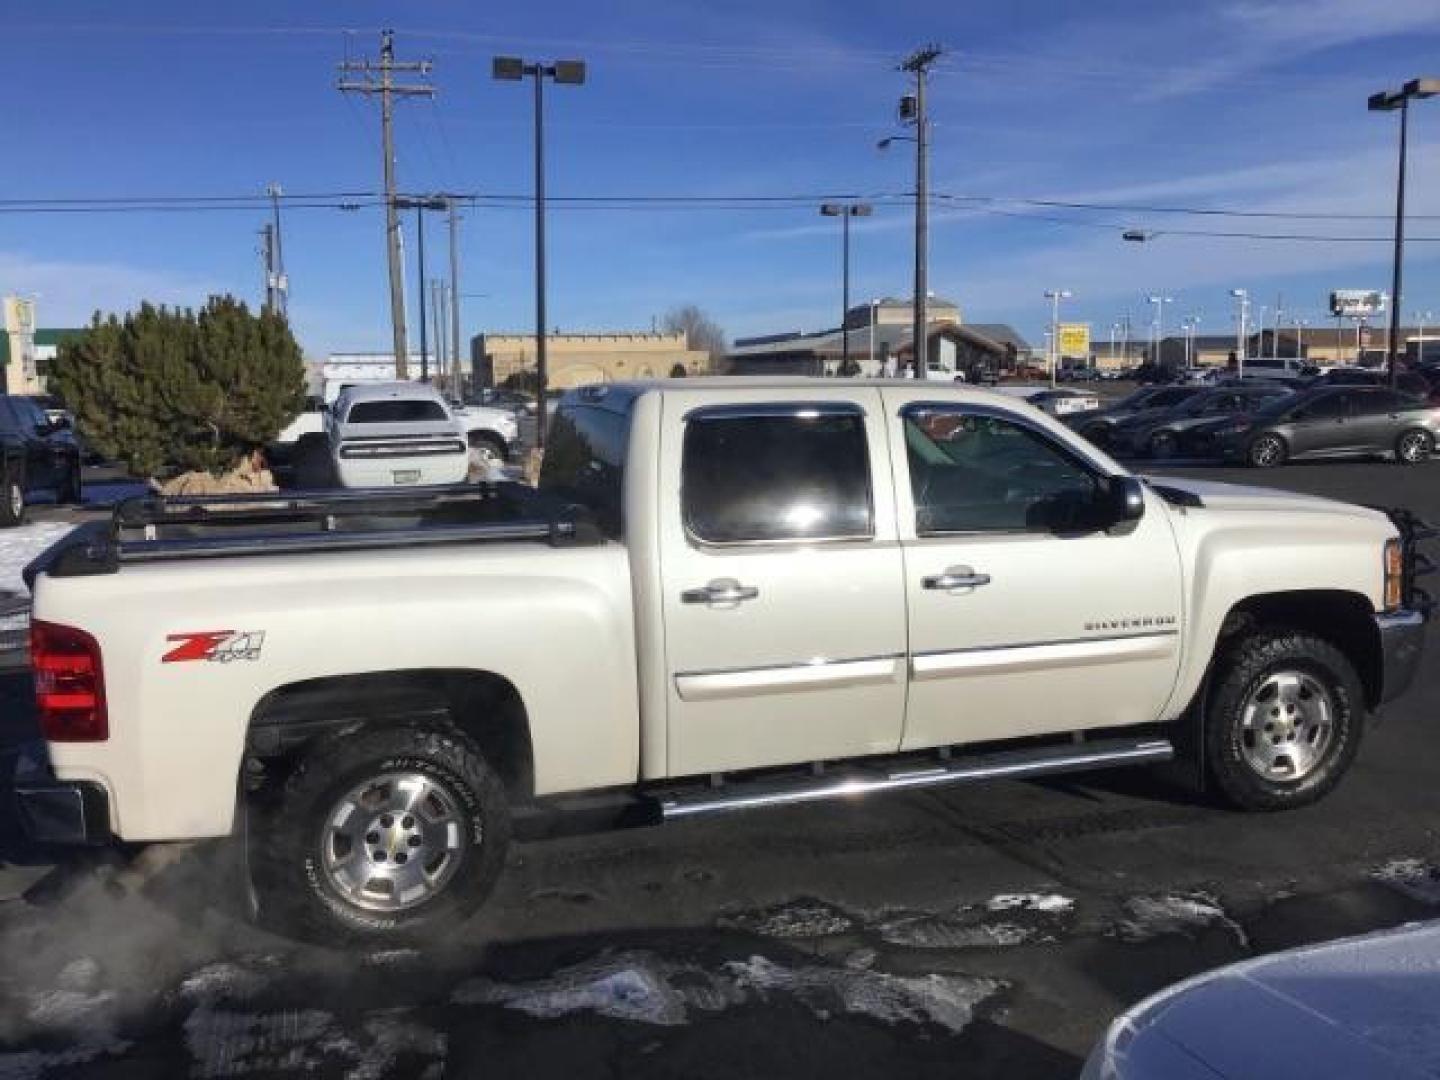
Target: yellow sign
1075,339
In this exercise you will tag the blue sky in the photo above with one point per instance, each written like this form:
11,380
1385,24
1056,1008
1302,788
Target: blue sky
1232,104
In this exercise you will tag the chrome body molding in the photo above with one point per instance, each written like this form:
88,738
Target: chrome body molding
818,674
1073,652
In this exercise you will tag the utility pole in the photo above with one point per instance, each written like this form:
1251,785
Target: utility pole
267,260
918,64
378,77
281,287
455,362
437,323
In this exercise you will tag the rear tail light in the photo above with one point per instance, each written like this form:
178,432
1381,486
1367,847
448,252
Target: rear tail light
69,684
1394,575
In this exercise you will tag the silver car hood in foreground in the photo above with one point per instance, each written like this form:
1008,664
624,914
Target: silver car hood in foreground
1361,1007
1220,496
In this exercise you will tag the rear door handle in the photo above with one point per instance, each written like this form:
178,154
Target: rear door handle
956,577
720,591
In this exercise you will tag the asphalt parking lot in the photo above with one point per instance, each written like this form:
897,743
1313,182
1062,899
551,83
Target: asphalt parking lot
986,931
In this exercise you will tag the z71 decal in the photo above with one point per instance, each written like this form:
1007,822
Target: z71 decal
221,646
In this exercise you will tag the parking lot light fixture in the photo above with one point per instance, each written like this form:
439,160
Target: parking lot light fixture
1243,296
1389,101
1158,325
1055,296
845,211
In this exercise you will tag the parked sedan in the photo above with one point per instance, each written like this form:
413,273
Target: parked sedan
1098,424
1163,433
1331,421
1059,401
39,458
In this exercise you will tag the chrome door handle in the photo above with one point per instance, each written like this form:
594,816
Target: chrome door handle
720,591
957,577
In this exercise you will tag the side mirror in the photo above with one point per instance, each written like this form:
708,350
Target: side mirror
1124,499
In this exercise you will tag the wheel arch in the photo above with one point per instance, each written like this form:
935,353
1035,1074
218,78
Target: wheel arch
483,705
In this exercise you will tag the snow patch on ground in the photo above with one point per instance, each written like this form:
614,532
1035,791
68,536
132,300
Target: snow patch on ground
1414,878
1148,917
642,987
18,547
1049,903
1028,917
77,1011
797,919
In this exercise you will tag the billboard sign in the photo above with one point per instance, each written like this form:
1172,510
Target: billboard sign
1074,339
1356,303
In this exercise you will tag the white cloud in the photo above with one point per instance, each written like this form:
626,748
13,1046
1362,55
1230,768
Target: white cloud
68,293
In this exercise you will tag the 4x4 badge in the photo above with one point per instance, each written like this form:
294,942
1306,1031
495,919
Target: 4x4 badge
221,646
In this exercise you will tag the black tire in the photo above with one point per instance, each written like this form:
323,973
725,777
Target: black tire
1267,451
489,444
1414,446
1099,434
1244,673
287,836
12,499
311,465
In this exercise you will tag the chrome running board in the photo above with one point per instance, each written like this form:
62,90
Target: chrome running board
854,781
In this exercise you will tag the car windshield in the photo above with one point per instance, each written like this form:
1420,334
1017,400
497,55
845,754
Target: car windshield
399,411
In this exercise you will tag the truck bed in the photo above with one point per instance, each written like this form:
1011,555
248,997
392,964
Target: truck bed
154,529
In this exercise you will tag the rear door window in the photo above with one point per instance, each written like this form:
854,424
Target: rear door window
768,474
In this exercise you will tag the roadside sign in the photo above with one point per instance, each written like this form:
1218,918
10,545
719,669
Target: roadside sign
1075,339
1356,303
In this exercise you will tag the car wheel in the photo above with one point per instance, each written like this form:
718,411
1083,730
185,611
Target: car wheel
311,466
391,835
1414,447
1163,444
1267,451
1096,433
1284,718
12,501
486,451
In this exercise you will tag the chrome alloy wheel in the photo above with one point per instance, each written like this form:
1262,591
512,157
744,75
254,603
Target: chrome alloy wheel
17,501
1414,446
393,841
1287,726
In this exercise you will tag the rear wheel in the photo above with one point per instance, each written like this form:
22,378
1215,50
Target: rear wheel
12,500
393,834
486,451
1284,718
1414,447
311,464
1163,444
1267,451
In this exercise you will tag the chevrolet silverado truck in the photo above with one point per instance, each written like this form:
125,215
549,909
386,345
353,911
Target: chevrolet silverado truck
725,594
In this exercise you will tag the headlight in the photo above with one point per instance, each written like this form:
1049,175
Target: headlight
1394,566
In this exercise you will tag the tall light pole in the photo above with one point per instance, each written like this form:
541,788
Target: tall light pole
565,72
1388,101
1158,324
845,211
1421,319
1243,296
1114,329
419,205
912,109
1055,296
873,305
1300,325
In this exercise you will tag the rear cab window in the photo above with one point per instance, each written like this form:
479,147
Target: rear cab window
584,461
776,473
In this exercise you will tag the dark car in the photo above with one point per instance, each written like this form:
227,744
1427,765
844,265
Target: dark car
41,458
1098,424
1332,421
1409,382
1163,433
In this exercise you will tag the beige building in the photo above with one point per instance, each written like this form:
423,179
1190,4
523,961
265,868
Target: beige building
577,359
17,347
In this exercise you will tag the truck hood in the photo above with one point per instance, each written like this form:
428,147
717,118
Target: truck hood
1220,496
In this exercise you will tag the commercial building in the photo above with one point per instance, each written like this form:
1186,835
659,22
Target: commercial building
579,359
1319,345
878,335
26,349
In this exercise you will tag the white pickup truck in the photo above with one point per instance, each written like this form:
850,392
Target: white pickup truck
727,593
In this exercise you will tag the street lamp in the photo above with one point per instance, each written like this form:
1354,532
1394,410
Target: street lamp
1421,317
420,205
845,211
1300,325
569,73
1055,296
1388,101
1159,323
1243,296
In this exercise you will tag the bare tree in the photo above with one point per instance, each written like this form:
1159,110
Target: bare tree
701,332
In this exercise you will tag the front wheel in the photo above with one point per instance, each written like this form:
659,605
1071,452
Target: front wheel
1267,451
392,835
1284,718
1414,447
12,501
487,452
1163,444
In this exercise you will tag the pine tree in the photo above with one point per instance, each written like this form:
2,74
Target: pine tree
166,390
